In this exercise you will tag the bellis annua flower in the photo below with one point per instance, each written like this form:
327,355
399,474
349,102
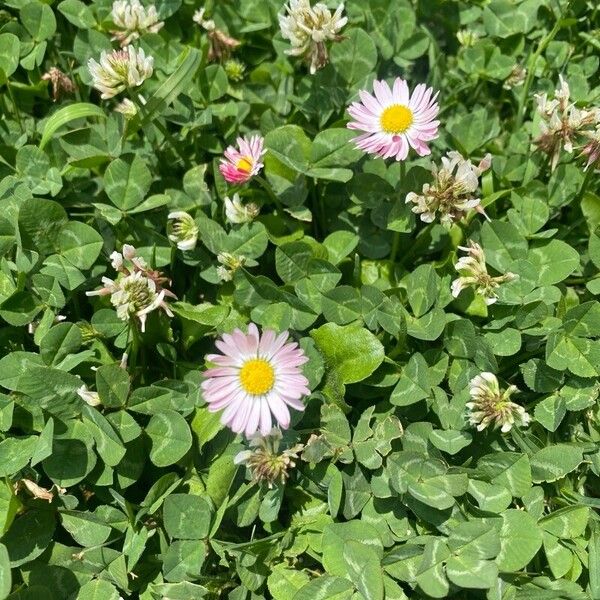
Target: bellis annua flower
561,122
492,406
119,70
257,378
137,290
453,191
394,120
182,230
244,162
266,461
133,20
308,28
237,212
473,273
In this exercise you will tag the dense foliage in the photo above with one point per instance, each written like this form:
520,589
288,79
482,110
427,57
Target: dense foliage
449,443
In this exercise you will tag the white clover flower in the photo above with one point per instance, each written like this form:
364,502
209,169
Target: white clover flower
127,108
137,290
265,461
491,406
230,263
308,28
89,397
236,212
119,70
473,273
561,122
467,37
207,24
182,230
453,192
133,19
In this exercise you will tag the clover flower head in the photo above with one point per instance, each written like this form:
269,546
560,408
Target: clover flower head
517,77
240,164
237,212
562,122
61,83
119,70
467,37
492,406
308,28
137,290
133,20
182,230
394,120
453,191
221,44
266,461
257,378
230,263
234,69
473,274
591,149
127,108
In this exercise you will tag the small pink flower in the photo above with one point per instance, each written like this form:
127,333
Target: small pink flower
256,378
240,165
395,120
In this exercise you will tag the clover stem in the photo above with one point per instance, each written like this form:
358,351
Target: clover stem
265,185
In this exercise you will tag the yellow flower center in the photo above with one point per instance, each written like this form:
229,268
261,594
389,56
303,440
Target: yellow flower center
396,118
244,164
257,376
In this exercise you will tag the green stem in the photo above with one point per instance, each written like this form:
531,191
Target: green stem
172,142
396,239
16,107
265,185
531,64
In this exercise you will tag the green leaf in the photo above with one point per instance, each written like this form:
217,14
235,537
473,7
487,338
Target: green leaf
187,517
508,469
65,115
171,438
520,539
80,244
112,384
284,582
5,573
554,462
352,352
39,20
354,58
29,536
554,262
9,54
127,181
364,569
98,589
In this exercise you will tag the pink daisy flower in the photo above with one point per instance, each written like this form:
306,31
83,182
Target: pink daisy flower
240,165
256,378
395,120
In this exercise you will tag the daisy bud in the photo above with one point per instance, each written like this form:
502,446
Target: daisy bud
89,397
308,28
240,164
453,191
473,273
492,406
182,230
265,461
257,378
229,265
119,70
133,20
236,212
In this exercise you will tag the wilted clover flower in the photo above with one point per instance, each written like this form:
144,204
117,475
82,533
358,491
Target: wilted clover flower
60,82
133,20
561,122
453,191
221,44
237,212
308,28
473,273
492,406
234,69
119,70
591,149
230,263
182,230
517,77
137,290
266,461
88,396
